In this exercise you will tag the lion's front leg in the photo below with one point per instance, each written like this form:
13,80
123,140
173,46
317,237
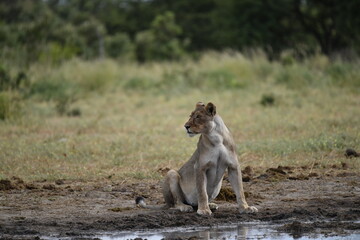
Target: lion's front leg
237,185
203,202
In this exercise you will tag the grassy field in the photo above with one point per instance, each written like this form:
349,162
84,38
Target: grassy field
93,120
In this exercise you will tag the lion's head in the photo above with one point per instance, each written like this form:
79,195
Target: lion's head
201,119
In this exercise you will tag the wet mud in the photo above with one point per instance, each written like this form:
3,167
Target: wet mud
302,200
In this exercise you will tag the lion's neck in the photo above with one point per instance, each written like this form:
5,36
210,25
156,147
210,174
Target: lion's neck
219,134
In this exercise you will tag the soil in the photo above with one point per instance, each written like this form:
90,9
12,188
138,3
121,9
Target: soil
302,199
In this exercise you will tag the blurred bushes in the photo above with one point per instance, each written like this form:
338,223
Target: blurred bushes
119,46
233,71
10,105
59,90
61,51
71,81
53,31
51,36
75,79
12,87
161,41
267,99
9,82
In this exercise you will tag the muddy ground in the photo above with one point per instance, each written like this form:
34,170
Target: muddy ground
302,199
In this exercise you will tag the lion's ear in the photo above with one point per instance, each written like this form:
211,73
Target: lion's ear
200,104
210,109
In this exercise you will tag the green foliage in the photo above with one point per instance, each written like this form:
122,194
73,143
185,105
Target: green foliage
140,83
161,41
10,106
58,90
296,76
267,99
4,106
55,53
94,33
221,78
12,86
8,82
75,112
53,31
343,74
144,45
119,46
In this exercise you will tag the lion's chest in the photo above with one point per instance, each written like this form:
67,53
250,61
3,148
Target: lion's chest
216,163
216,171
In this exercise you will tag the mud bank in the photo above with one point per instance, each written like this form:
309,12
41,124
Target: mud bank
301,202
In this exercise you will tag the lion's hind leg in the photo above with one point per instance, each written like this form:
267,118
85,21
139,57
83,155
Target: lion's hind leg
173,195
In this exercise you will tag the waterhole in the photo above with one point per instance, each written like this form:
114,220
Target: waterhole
294,230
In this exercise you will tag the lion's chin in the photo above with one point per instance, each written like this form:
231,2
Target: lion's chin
191,134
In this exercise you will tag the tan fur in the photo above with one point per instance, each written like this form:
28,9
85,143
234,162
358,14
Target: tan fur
199,180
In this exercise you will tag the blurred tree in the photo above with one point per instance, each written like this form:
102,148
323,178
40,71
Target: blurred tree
161,42
119,46
93,32
334,24
196,18
56,30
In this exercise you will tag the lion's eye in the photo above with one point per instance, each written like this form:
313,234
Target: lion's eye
198,116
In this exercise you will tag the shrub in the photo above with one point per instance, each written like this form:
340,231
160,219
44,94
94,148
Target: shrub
119,46
222,79
10,105
139,83
298,76
8,82
161,41
55,53
58,90
267,99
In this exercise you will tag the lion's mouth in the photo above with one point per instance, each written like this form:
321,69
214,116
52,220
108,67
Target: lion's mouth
190,133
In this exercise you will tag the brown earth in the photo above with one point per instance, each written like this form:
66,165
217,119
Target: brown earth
302,199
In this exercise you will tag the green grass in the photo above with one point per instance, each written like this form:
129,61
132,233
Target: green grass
132,115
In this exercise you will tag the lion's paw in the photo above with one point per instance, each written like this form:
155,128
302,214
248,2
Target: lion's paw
249,209
204,212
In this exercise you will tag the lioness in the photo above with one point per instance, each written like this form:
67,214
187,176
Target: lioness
198,182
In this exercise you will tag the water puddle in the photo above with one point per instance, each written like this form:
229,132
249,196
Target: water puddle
243,231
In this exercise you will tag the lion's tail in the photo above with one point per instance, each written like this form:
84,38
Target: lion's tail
140,201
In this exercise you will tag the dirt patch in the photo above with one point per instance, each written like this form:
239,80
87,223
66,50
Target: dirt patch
226,194
322,196
298,229
5,184
14,183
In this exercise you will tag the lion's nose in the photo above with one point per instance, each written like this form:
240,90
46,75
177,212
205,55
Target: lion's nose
187,127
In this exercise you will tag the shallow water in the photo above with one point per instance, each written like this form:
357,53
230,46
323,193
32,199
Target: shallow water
243,231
